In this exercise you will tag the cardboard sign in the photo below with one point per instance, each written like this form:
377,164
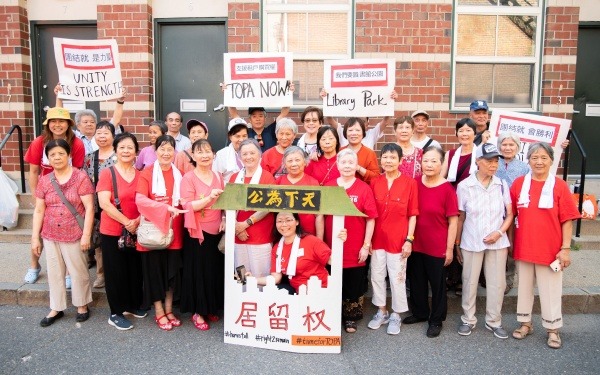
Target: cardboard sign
307,322
258,79
88,70
359,88
531,129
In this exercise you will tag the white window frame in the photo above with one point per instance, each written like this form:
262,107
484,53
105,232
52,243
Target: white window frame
347,8
535,60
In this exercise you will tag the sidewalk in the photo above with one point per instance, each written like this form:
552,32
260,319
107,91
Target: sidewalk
581,284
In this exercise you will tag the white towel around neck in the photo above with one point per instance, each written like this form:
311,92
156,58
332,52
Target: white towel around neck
453,169
546,197
158,183
291,268
255,180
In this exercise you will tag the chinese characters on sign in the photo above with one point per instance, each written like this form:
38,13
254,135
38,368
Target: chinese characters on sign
531,129
283,198
88,69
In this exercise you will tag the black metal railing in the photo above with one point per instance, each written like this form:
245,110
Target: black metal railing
21,159
572,136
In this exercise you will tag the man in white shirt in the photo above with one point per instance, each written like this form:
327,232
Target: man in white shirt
420,139
174,122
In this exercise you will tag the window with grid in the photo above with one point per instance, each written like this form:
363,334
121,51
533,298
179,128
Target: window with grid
497,48
314,30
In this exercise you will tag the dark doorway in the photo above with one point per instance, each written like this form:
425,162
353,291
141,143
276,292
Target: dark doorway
189,67
586,119
45,73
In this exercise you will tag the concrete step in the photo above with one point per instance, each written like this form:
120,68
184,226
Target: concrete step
588,227
587,242
25,219
26,201
19,235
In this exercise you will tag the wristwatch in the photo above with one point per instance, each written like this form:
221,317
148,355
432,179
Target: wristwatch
249,221
410,239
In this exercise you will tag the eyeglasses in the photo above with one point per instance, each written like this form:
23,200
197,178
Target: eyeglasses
259,139
286,222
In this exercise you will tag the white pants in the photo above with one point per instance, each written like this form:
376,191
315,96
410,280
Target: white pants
60,257
256,258
494,262
549,285
394,265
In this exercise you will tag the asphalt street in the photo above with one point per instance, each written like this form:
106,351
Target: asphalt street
93,347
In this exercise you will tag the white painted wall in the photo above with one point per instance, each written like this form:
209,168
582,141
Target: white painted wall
61,10
590,10
189,8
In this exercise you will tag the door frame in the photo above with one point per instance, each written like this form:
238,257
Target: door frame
36,64
158,23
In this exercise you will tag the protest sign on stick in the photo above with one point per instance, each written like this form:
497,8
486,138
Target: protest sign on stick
88,70
307,322
258,79
359,88
531,129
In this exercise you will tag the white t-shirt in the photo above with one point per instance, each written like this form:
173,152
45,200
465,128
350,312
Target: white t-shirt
226,162
421,144
307,147
369,140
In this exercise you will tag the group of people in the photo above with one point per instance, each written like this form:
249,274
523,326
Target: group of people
432,219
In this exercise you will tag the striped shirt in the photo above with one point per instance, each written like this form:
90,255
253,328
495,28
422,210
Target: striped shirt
484,212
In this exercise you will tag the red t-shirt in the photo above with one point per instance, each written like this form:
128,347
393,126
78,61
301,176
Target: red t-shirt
394,207
144,187
362,196
323,169
307,221
262,231
313,255
272,162
126,190
436,205
538,233
35,154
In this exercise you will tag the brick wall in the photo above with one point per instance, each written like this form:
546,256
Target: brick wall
243,27
131,26
15,81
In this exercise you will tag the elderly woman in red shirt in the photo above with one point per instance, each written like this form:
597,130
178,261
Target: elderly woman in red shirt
66,239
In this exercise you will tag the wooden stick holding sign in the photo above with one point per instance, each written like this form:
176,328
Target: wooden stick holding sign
307,322
88,70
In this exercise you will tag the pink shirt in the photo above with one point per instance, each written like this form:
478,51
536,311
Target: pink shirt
206,219
58,223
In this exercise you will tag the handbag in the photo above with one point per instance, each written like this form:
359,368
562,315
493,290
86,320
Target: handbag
95,238
150,237
127,239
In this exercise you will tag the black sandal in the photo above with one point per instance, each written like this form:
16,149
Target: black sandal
350,326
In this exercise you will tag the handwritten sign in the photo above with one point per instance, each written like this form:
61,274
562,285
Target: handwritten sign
268,317
359,87
88,70
258,79
531,129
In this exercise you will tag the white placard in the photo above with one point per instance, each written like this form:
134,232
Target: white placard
258,79
308,322
531,129
359,88
88,70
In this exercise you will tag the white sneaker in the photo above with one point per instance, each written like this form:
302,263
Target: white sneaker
394,324
378,320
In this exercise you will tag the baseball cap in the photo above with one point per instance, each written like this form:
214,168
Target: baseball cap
487,151
59,113
235,122
193,122
419,112
252,109
479,104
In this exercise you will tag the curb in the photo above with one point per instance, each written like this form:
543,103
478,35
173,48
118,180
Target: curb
574,301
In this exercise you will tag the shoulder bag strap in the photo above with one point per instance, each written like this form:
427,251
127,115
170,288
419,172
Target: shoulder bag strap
465,166
96,166
115,188
428,143
67,204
